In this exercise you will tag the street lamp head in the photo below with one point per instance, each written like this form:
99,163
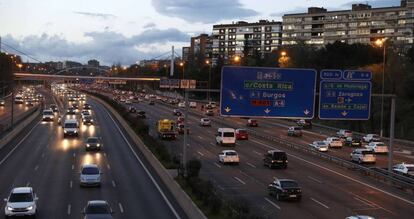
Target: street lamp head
207,62
181,64
283,53
236,58
380,42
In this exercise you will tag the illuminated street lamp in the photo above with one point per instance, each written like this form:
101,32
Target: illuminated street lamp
381,43
182,65
209,78
283,59
236,59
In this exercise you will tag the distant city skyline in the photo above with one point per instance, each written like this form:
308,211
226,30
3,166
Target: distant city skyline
128,31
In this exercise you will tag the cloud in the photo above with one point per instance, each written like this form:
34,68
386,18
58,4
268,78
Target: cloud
374,3
149,25
109,47
95,15
205,11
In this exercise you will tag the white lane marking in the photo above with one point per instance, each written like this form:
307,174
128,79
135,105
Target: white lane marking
322,204
113,184
366,202
217,165
69,208
314,179
260,154
272,203
121,208
345,176
144,167
73,167
71,184
74,154
250,164
200,153
238,179
212,144
373,204
200,137
36,167
108,166
18,144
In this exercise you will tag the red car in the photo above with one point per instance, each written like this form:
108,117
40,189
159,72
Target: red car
241,134
252,123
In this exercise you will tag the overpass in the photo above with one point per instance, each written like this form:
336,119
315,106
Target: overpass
41,77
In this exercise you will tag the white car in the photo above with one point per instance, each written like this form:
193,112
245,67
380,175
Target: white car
85,113
181,104
229,156
343,133
90,175
321,146
363,156
205,122
48,115
21,202
371,137
405,169
193,104
334,142
377,147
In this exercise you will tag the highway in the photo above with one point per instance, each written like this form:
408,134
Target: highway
328,190
5,112
42,159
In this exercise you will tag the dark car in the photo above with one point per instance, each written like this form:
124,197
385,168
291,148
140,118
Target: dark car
241,134
209,113
87,120
75,105
71,111
181,129
275,159
353,142
93,143
86,106
141,114
285,189
304,123
97,209
54,108
132,109
177,112
252,123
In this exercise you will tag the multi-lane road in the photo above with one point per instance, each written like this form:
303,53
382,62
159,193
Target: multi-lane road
41,158
6,112
328,190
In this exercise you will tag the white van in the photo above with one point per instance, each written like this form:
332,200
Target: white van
18,99
226,136
193,104
71,127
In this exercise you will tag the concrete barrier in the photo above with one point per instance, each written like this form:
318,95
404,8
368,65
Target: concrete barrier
18,128
181,197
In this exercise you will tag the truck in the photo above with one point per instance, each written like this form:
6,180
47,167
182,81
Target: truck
166,129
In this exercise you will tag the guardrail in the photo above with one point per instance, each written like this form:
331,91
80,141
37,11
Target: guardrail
7,128
406,184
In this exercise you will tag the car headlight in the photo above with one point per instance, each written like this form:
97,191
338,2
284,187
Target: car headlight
91,120
9,208
98,145
87,145
29,208
64,131
75,131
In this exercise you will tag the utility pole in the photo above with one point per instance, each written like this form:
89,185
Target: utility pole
185,132
172,62
392,123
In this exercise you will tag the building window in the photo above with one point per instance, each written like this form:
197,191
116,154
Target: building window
267,48
222,31
221,37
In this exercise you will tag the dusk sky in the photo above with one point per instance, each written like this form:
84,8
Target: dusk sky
126,31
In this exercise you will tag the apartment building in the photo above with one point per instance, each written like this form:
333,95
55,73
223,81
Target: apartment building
243,38
361,24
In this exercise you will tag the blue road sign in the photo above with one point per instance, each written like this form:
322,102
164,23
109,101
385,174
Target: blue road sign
267,92
357,75
345,100
331,74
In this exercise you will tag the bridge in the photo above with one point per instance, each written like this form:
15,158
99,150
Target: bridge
30,76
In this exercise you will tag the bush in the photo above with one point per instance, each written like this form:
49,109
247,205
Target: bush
193,168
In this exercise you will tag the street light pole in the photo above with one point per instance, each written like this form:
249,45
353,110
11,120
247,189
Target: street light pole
209,79
382,89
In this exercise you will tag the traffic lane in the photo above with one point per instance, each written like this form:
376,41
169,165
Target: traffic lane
319,170
132,180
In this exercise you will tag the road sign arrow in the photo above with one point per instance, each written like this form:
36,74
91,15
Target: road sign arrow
344,113
306,111
227,109
267,111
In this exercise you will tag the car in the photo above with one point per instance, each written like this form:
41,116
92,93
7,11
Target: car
21,202
2,102
181,104
132,109
87,120
141,114
86,106
321,146
371,137
404,169
294,131
205,122
377,147
90,175
353,142
177,112
54,108
343,133
93,143
181,129
285,189
98,209
75,106
208,106
29,103
275,158
48,115
151,102
359,217
334,142
229,156
70,127
363,156
128,102
241,134
71,111
226,136
304,123
193,104
252,123
209,113
180,119
212,104
85,113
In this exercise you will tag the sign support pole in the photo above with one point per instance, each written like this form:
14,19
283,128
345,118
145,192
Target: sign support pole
392,123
